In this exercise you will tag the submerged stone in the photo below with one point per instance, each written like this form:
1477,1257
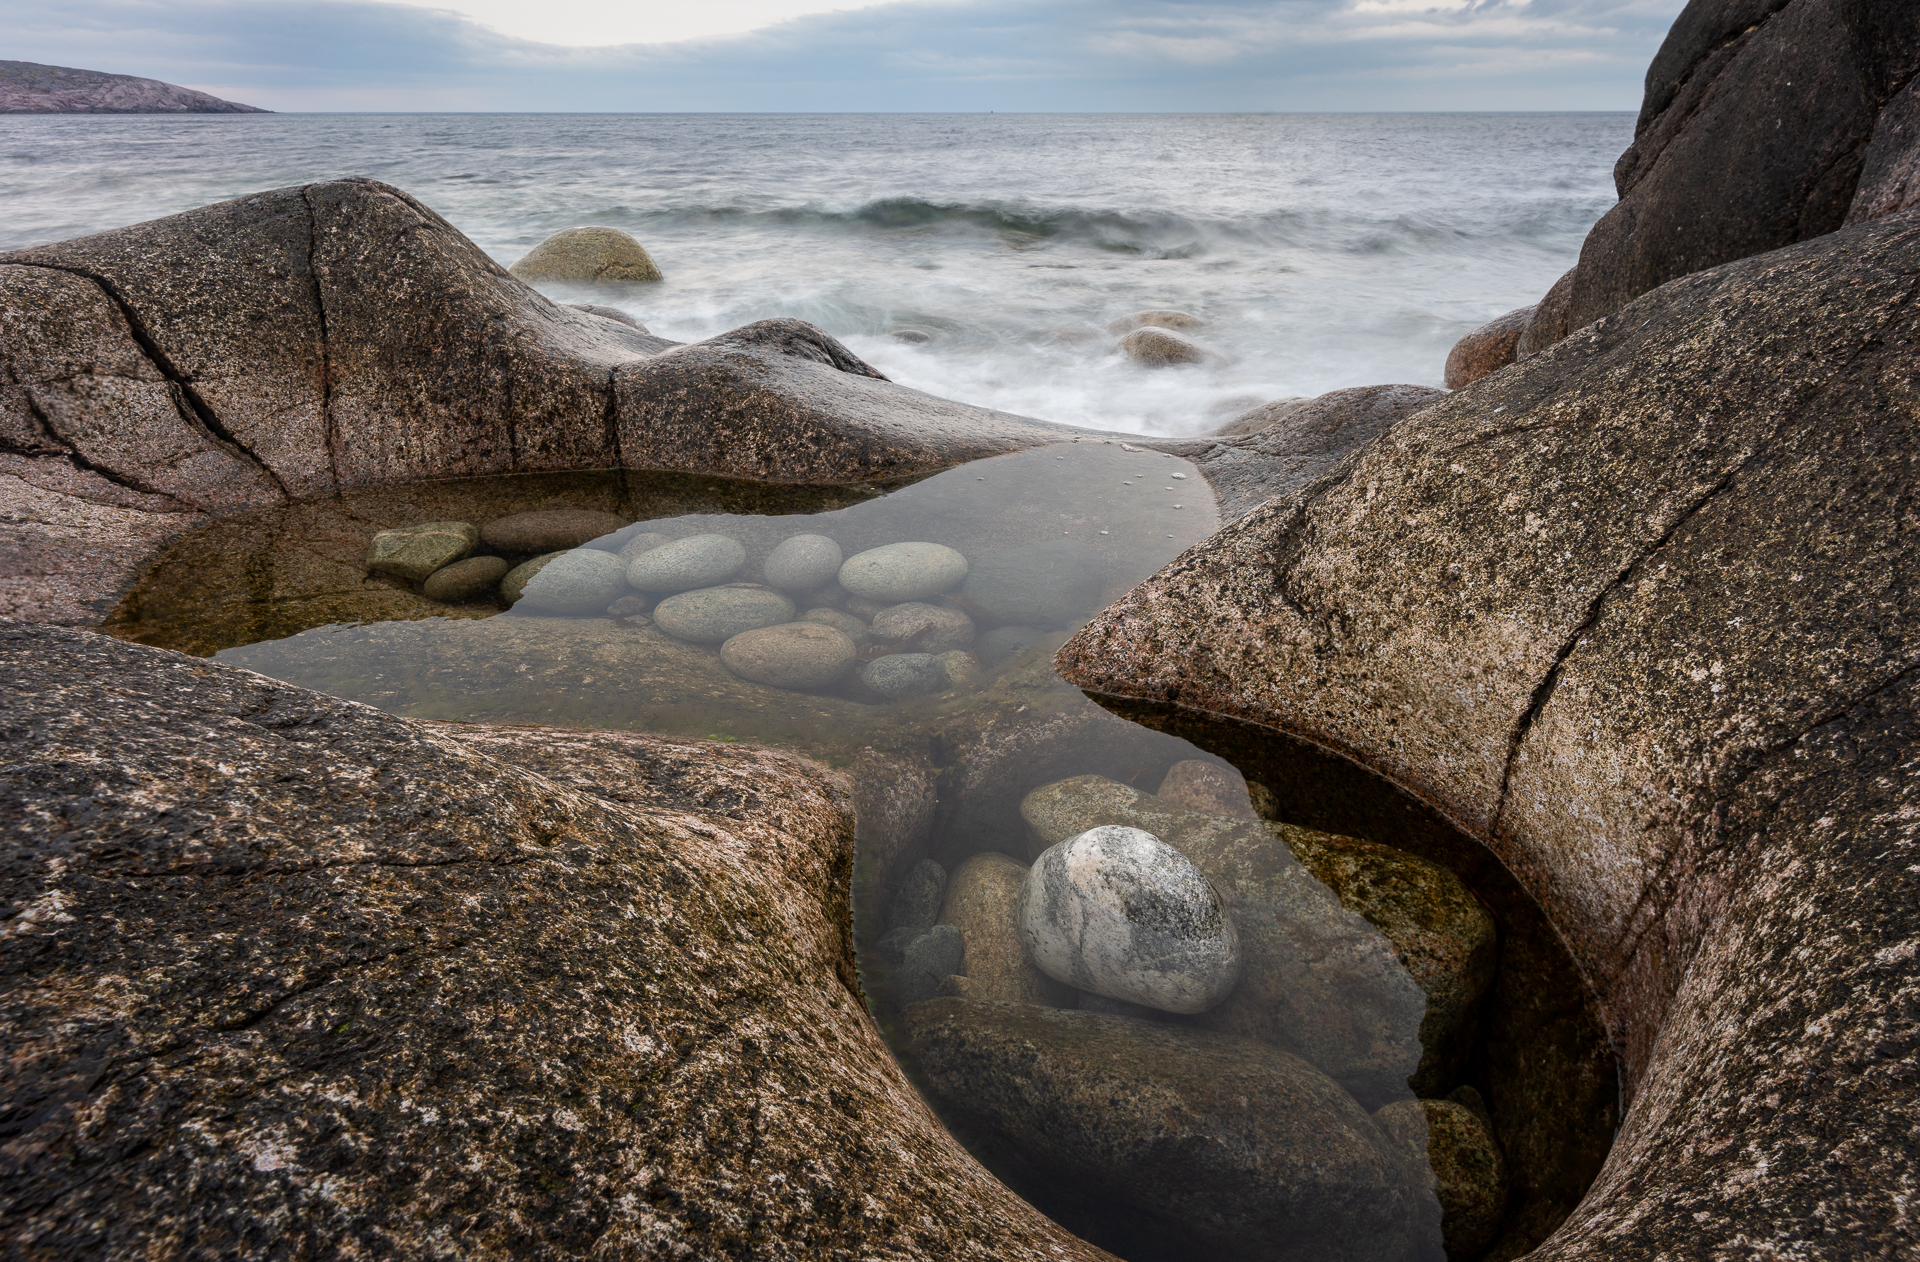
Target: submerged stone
802,563
901,572
923,628
1451,1145
799,655
514,585
713,615
579,581
548,530
465,580
1001,643
1199,785
845,623
935,954
903,676
687,564
1119,912
983,903
415,552
1050,584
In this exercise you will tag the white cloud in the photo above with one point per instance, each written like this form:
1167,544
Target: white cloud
604,23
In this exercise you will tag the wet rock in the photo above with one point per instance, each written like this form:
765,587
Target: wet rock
802,563
466,580
1316,978
631,605
712,615
580,581
1162,1142
798,655
903,676
1154,319
514,585
1676,717
916,900
1001,643
550,530
963,669
685,564
893,944
1253,420
923,628
1051,584
382,910
415,552
899,572
1453,1147
1301,446
912,337
588,256
1488,348
865,610
1199,785
635,542
983,903
934,955
609,313
1119,912
845,623
1157,348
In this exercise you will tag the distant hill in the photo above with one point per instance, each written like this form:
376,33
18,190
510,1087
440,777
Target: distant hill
27,87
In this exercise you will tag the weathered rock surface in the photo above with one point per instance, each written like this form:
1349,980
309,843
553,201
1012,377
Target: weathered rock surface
1253,420
569,991
1890,169
1451,1146
1637,613
588,256
27,87
1752,135
1169,1143
1488,348
983,903
1118,912
1304,444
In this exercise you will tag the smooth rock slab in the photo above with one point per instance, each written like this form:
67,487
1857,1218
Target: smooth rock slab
465,580
799,655
900,572
1121,913
548,530
904,676
1160,1142
714,615
923,628
686,564
415,552
802,563
581,581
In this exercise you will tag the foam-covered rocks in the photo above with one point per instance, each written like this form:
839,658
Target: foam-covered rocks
1121,913
580,581
686,564
802,563
798,655
899,572
714,615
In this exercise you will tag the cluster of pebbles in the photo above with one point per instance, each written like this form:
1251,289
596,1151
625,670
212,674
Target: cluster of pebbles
1211,959
889,623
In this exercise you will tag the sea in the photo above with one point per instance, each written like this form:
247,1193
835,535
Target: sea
1319,251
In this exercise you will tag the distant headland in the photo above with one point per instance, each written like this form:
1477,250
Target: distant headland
27,87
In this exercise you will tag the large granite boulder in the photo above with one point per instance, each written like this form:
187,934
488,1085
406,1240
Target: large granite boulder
1488,348
1753,135
281,974
1638,613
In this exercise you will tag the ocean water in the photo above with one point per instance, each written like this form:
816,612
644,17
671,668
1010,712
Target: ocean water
1320,251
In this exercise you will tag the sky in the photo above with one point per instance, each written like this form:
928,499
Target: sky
904,56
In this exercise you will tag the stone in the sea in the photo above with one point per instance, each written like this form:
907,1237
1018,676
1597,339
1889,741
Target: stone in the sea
713,615
549,530
913,337
1488,348
1157,348
963,669
845,623
800,655
1154,319
609,313
514,585
983,903
900,572
464,580
1199,785
579,581
588,256
414,552
917,898
686,564
934,955
903,676
1001,643
923,628
1153,1140
1452,1145
1051,584
802,563
1121,913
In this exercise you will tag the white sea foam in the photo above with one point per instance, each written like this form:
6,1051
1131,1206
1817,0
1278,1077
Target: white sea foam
1321,250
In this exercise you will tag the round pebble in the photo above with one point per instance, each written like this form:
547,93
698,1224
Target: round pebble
799,655
464,580
802,563
713,615
686,564
640,543
1121,913
550,530
902,676
845,623
928,628
963,671
580,581
514,585
901,572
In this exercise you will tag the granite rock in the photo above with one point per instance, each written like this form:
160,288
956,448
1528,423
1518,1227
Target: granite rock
798,655
983,903
923,628
934,955
588,256
1154,319
415,552
917,898
713,615
1157,348
609,313
904,676
1199,785
1452,1146
802,563
1890,169
1488,348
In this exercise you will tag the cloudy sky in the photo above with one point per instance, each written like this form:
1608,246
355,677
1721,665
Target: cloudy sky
907,55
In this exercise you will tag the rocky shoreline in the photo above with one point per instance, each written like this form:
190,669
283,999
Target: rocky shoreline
27,87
